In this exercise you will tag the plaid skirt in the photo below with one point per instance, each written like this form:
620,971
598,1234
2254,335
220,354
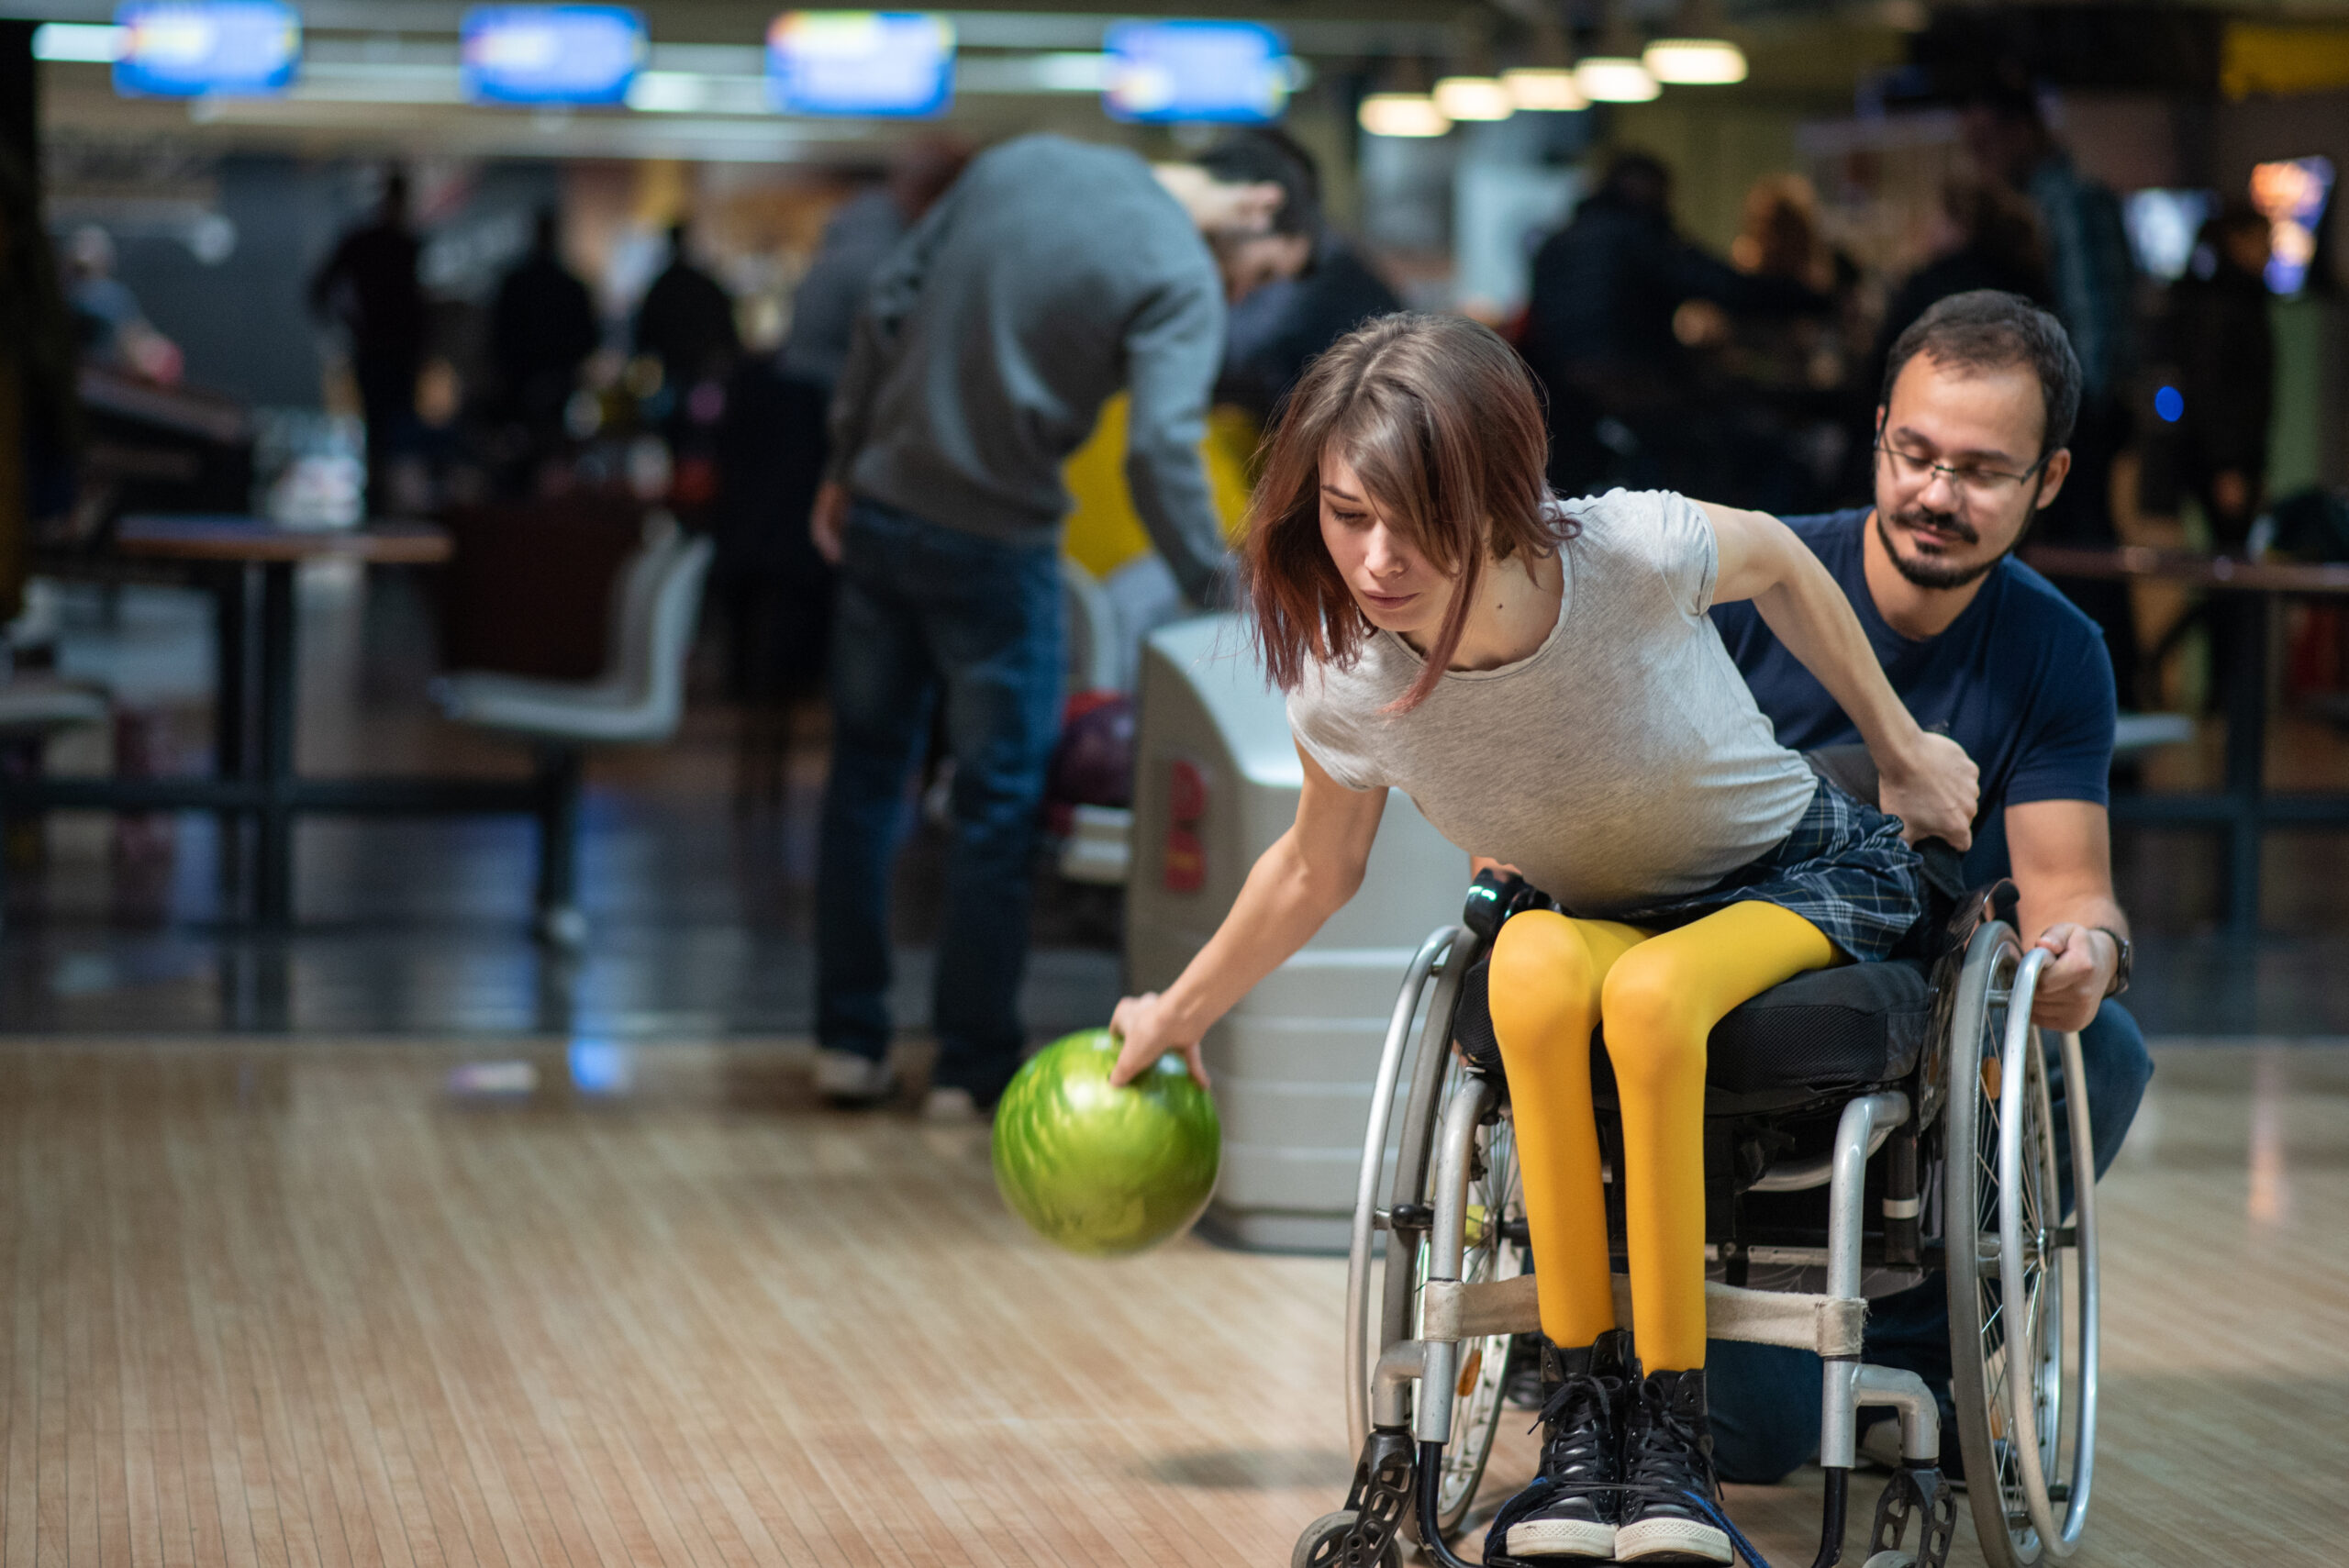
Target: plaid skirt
1844,868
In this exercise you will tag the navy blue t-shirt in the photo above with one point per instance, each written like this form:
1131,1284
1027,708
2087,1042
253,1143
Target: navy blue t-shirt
2020,679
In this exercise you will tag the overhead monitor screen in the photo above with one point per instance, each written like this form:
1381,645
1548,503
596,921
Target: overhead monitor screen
551,54
187,49
896,63
2293,192
2163,228
1235,72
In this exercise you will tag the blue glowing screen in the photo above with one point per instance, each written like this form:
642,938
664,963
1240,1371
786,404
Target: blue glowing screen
1233,72
187,49
890,63
551,54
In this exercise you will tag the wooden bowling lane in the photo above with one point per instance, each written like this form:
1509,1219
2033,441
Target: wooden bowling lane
350,1303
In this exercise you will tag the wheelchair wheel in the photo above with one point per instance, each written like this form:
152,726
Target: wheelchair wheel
2014,1267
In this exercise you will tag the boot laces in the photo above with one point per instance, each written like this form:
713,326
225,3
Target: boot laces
1578,1416
1663,1459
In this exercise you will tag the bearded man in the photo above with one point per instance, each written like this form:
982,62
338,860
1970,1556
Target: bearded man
1979,399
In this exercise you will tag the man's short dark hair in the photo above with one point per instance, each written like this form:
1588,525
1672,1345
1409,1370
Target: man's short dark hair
1263,156
1989,329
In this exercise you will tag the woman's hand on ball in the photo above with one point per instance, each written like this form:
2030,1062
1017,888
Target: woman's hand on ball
1146,1031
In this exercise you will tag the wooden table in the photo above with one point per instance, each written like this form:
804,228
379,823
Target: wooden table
2243,810
254,775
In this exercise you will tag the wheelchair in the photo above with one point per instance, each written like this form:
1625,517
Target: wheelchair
1864,1126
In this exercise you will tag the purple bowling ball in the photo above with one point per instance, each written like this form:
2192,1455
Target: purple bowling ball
1094,764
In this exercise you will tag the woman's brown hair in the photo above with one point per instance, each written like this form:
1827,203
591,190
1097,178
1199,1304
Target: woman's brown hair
1441,420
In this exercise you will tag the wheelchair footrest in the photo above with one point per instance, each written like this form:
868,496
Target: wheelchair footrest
1380,1498
1827,1325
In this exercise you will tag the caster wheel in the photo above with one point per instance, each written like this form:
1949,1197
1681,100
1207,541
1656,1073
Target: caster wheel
1891,1560
1323,1545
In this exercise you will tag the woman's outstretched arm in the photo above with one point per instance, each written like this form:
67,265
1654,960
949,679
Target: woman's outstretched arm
1926,780
1306,877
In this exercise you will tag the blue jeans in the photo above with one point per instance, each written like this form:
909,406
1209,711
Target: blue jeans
928,613
1764,1398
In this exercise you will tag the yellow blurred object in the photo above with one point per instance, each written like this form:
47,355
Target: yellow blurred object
2261,59
1104,530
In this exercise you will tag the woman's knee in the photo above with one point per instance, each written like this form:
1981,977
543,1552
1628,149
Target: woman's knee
1541,976
1654,1020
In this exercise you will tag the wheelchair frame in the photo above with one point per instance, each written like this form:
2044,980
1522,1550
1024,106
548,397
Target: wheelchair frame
1427,1346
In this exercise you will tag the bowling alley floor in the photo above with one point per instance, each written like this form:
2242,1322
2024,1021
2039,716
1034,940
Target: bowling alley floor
545,1301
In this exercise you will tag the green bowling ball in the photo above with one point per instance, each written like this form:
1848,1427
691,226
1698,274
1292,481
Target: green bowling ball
1099,1170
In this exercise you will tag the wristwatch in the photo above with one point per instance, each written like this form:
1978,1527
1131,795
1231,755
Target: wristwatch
2121,970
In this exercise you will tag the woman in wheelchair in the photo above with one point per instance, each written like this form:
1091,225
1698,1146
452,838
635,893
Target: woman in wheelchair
1543,680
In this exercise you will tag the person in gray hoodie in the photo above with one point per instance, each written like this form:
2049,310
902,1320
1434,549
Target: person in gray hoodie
1051,277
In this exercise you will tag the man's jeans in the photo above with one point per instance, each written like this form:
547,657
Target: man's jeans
1764,1398
925,611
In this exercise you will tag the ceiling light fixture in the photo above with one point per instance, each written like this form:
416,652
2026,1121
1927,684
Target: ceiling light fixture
1695,62
1474,98
1402,113
1546,88
1615,79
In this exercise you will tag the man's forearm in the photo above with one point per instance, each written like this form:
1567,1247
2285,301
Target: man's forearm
2050,908
1177,507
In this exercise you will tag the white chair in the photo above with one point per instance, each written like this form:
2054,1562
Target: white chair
638,701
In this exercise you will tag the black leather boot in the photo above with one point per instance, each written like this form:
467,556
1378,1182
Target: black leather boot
1571,1508
1668,1456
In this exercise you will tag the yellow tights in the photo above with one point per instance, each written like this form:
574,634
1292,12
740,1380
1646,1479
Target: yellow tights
1553,980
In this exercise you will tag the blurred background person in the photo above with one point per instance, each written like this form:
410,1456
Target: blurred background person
1599,331
771,588
2092,285
1774,435
1051,276
107,318
1276,330
686,322
369,285
2226,362
542,327
685,325
2226,373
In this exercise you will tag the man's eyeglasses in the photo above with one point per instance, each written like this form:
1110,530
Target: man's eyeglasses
1971,480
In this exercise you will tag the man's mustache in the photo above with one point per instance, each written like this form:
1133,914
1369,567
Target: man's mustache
1939,522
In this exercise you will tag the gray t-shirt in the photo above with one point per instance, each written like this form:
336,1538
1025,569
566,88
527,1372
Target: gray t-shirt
1624,762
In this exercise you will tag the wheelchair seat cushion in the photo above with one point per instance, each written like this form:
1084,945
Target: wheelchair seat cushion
1821,1033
